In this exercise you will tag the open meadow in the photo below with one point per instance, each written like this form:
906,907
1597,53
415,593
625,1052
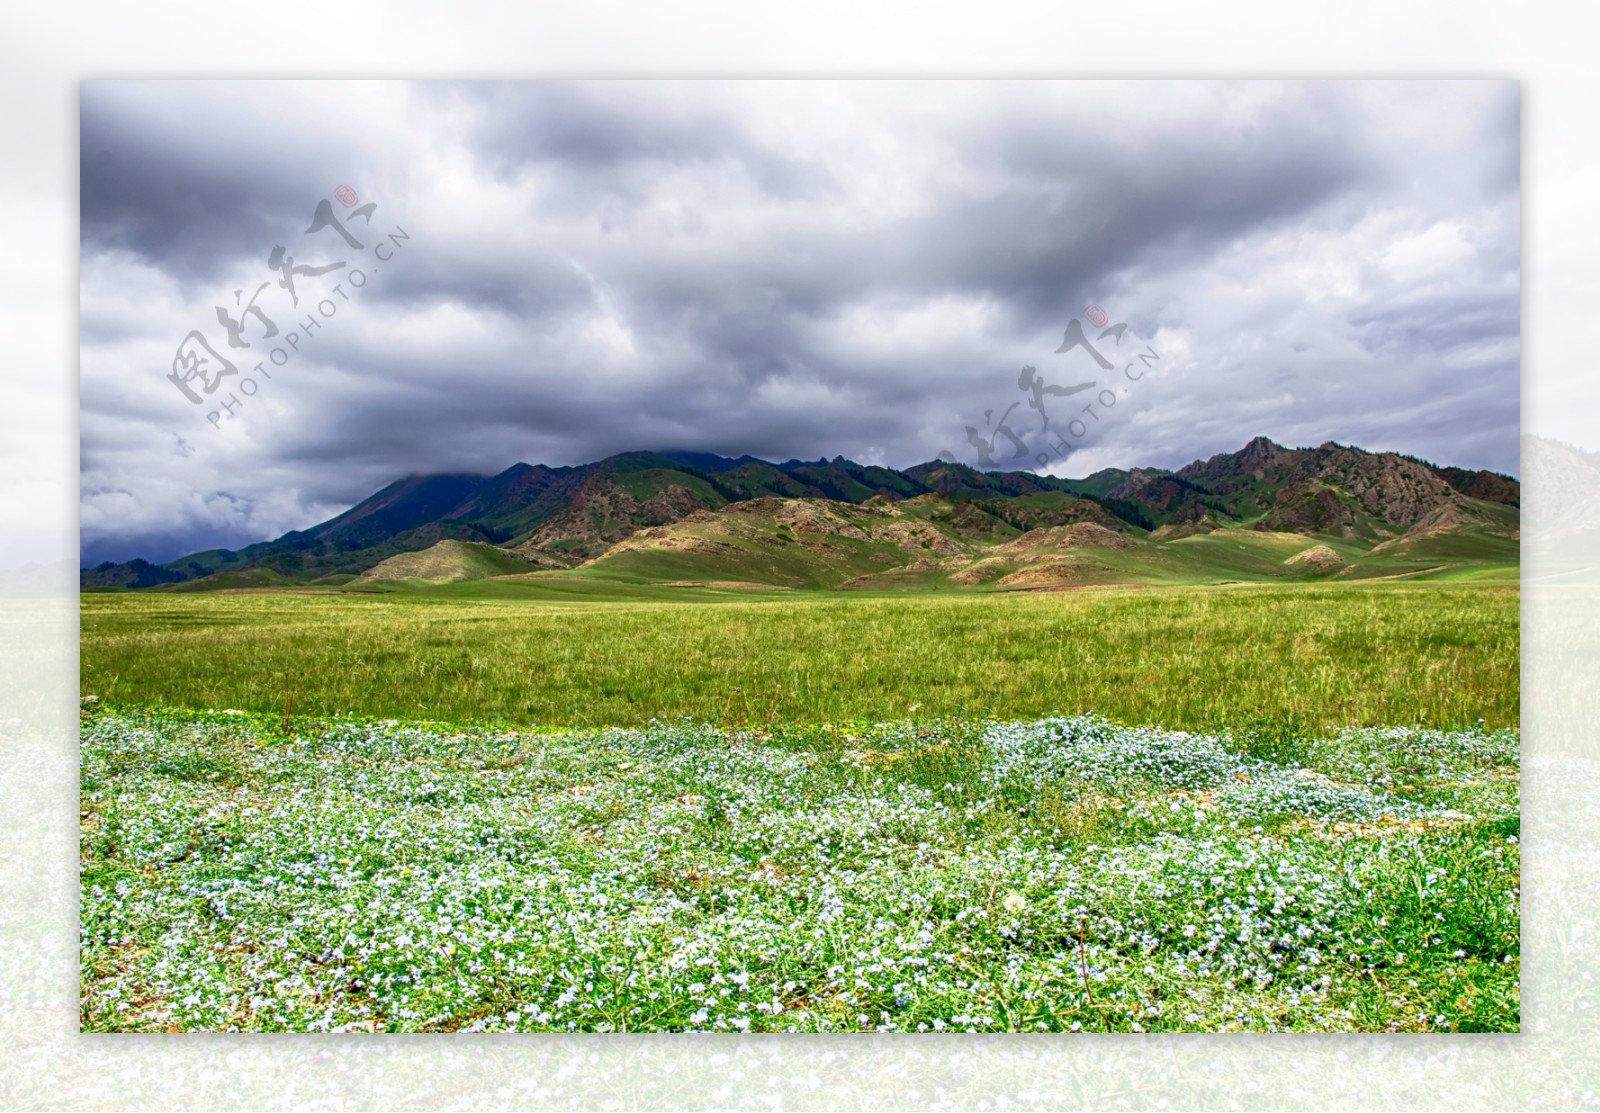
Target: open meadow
603,654
1189,809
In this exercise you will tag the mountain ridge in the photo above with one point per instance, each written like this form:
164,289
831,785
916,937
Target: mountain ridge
561,517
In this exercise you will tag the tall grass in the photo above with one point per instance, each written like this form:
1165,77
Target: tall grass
1193,658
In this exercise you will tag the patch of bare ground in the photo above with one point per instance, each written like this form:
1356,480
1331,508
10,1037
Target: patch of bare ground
1050,570
1080,535
1318,558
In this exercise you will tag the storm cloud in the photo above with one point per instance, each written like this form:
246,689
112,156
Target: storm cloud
786,269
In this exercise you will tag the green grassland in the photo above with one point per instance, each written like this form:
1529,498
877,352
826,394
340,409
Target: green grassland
573,801
576,650
251,872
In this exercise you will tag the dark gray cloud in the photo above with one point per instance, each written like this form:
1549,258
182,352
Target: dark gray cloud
193,192
785,269
612,139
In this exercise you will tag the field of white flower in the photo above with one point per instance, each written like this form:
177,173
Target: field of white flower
245,873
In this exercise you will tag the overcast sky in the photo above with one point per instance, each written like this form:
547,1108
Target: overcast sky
556,272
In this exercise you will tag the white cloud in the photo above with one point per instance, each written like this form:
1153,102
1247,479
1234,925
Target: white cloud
1428,254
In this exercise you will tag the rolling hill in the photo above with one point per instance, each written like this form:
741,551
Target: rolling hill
1264,512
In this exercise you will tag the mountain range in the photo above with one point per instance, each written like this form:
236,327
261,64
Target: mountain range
1263,512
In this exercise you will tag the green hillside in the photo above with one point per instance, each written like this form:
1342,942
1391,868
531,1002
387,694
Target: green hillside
449,562
650,517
